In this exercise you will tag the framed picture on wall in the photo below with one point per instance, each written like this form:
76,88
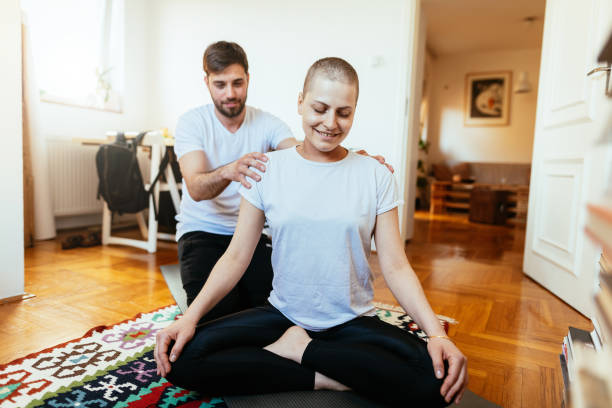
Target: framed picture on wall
487,98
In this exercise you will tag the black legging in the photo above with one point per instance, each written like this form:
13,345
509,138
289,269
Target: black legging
199,251
374,358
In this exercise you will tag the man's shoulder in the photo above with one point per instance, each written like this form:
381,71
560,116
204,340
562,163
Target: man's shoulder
261,116
197,114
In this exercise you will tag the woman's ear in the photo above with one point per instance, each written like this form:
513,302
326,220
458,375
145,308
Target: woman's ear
300,102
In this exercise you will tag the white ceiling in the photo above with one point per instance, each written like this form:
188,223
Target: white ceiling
457,26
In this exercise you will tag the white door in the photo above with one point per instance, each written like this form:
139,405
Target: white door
567,168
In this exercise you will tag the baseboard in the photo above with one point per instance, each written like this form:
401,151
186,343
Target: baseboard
17,298
87,220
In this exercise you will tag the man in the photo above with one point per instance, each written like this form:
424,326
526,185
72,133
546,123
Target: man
216,145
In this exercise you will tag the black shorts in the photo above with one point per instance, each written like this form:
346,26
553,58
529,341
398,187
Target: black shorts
199,251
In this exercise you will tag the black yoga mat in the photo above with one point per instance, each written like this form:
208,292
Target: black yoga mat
335,399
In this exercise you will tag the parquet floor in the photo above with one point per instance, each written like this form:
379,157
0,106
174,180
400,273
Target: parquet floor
509,327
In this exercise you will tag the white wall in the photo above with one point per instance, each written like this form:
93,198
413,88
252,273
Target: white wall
282,39
11,165
451,141
67,122
165,40
61,122
416,60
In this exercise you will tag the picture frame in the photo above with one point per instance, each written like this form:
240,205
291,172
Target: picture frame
487,98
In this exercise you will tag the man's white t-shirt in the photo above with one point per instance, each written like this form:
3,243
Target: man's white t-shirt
322,216
200,129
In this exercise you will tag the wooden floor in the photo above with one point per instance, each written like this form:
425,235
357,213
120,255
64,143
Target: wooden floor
509,327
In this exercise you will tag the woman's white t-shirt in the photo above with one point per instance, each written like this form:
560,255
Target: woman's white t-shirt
321,217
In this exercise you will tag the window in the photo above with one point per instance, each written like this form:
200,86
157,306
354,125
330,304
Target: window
77,50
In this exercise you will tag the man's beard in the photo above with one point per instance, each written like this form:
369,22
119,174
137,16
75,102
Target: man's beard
230,112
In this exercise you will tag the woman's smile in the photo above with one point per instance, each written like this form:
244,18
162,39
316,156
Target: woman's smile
327,134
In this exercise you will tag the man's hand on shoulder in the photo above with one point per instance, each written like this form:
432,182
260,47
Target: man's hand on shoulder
239,170
206,184
380,159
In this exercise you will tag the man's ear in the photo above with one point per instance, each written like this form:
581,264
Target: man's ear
206,82
300,102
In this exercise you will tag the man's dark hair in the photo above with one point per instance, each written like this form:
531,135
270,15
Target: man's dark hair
333,68
221,55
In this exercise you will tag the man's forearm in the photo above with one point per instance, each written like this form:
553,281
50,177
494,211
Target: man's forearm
206,186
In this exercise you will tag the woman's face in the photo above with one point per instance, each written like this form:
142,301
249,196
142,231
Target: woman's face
327,111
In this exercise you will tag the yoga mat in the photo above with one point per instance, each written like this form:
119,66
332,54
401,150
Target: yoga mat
335,399
172,275
301,399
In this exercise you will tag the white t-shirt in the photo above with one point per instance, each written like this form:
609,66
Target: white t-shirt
322,218
200,129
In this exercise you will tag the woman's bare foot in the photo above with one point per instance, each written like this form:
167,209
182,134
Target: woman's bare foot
291,344
323,382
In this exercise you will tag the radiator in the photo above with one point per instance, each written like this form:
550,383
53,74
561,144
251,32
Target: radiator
74,179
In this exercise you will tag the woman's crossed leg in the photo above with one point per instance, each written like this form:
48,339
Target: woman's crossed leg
260,351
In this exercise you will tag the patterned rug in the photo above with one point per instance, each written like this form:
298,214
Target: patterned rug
114,367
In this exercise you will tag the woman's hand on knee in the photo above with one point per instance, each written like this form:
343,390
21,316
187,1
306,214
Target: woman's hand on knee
455,383
179,332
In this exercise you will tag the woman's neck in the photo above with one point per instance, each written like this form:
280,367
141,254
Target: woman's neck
310,152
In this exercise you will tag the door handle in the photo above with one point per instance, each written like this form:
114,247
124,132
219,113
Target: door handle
599,69
607,70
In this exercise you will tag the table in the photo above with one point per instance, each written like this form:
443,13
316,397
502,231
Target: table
157,143
447,195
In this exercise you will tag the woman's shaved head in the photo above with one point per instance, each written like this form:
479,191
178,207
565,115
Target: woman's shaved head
335,69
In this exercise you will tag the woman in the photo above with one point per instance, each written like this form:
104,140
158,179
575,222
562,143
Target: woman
322,203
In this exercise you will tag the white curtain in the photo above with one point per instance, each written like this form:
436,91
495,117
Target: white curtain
44,221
